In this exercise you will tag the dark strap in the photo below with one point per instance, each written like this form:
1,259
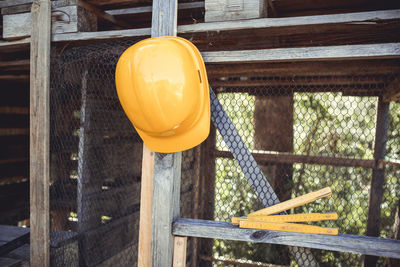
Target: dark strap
241,153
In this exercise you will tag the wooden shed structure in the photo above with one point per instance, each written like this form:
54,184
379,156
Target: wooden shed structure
312,87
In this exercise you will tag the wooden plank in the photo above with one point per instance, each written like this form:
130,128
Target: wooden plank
279,157
146,200
6,3
378,175
342,242
217,10
180,244
306,69
166,206
308,23
162,172
148,9
343,52
14,110
349,18
17,25
40,134
305,81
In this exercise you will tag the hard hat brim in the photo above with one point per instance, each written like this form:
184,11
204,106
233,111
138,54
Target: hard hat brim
181,142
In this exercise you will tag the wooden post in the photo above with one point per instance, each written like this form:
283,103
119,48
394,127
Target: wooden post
161,174
40,134
378,175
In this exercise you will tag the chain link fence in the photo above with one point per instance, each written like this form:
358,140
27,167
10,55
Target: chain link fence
306,132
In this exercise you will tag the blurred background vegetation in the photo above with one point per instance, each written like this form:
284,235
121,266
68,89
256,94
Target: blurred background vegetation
324,124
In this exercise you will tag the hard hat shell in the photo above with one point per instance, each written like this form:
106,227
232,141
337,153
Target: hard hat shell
163,88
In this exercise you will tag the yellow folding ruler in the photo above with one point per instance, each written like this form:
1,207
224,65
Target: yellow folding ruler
263,219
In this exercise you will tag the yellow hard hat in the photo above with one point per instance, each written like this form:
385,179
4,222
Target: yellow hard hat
162,86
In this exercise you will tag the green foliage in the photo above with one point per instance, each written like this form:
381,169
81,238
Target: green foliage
325,124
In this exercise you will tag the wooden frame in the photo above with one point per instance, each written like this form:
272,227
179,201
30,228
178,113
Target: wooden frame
161,174
162,171
40,134
342,242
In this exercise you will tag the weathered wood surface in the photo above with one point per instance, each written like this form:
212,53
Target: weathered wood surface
40,134
163,172
7,3
342,242
378,175
217,10
304,69
17,25
344,52
349,18
148,9
166,205
276,157
297,24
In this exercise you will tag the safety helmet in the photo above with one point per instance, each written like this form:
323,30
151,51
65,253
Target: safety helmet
162,86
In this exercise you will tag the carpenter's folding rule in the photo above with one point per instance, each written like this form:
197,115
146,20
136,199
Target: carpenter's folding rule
263,219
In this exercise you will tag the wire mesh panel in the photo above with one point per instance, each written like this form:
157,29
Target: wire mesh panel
96,159
309,126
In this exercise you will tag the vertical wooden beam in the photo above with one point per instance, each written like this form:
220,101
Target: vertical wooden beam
207,193
378,176
180,244
40,134
162,189
146,200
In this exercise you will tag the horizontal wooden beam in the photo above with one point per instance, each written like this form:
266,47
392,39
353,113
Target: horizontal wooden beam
342,52
22,64
7,3
294,69
349,18
148,9
299,81
342,242
264,23
277,157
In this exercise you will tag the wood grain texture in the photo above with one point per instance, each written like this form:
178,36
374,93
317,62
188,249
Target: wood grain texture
345,52
342,242
180,244
146,200
17,25
166,196
160,204
40,134
164,18
349,18
378,175
217,10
